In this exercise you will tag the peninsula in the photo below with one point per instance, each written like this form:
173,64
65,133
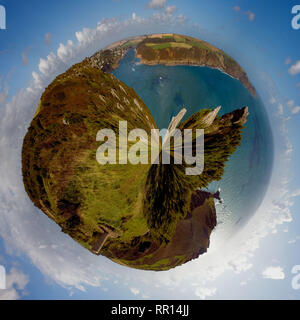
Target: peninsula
170,49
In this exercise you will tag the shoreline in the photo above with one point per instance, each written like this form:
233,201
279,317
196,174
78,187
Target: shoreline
235,71
193,64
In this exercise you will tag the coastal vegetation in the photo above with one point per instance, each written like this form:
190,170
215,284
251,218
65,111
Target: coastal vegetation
155,215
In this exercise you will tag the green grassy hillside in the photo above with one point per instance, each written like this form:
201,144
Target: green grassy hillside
144,209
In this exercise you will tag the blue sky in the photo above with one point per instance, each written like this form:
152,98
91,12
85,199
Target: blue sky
36,47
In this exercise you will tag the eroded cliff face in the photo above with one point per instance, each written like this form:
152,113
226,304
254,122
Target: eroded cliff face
144,216
170,49
190,239
183,50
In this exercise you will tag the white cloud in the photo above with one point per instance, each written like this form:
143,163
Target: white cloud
203,293
49,65
16,282
135,291
295,68
66,52
170,9
157,4
280,109
182,19
275,273
291,105
296,110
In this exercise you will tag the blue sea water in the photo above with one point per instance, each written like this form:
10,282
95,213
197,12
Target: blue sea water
167,89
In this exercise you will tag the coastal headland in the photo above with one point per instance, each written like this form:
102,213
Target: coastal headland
171,50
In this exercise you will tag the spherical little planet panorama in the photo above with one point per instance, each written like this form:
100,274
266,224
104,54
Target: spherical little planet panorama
148,214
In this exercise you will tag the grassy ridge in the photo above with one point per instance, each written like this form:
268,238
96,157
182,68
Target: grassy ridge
60,171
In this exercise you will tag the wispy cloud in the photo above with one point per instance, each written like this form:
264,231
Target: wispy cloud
293,108
295,68
157,4
292,241
203,292
48,37
25,56
3,92
296,193
170,9
275,273
280,109
135,291
16,282
250,14
272,100
288,60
